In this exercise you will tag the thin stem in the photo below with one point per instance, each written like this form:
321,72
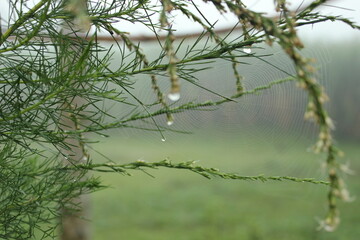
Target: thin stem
205,172
22,20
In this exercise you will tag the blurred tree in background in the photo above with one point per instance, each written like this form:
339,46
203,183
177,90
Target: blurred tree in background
56,85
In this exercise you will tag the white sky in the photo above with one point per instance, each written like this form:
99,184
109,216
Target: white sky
326,31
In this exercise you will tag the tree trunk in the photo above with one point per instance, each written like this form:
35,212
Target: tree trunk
74,224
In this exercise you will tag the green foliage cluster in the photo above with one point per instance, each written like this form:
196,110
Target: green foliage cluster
55,76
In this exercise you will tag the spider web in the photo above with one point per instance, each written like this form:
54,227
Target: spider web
273,117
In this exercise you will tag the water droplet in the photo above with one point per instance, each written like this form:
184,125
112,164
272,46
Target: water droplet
174,96
163,139
247,50
170,119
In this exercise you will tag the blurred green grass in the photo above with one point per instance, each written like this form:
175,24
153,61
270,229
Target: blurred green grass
177,204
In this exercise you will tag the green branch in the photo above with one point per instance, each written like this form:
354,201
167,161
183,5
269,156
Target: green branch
21,20
160,67
184,107
208,173
32,34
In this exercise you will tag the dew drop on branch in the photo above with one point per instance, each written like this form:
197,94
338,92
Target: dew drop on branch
247,50
174,96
